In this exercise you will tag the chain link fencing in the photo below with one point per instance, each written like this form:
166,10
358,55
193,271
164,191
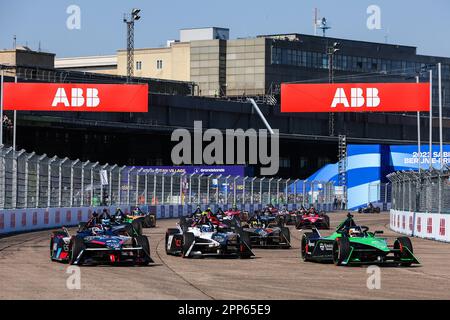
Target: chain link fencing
427,191
28,180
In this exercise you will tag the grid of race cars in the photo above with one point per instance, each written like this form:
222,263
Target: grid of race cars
118,238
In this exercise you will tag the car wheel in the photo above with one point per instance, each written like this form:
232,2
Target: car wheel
188,240
137,225
55,234
341,250
144,256
327,222
169,232
286,235
400,244
76,247
304,243
244,241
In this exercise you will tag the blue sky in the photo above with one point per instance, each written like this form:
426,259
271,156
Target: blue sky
425,24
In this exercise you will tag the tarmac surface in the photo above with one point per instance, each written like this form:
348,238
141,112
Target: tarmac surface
26,272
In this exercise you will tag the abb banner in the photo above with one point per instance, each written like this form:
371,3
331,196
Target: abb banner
355,97
423,225
76,97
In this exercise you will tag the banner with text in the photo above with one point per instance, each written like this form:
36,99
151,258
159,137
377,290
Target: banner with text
76,97
355,97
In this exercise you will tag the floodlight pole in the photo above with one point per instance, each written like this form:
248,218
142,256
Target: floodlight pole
441,153
430,156
418,134
129,20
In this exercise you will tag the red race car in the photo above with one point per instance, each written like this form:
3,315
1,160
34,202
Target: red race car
311,219
235,213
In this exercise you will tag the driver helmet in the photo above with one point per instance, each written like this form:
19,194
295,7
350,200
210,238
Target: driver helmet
354,232
96,230
206,228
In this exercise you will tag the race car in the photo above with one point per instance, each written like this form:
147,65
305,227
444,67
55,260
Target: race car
290,217
100,243
369,209
354,244
201,238
313,219
237,214
148,220
265,233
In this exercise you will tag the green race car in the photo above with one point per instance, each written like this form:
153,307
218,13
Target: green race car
353,244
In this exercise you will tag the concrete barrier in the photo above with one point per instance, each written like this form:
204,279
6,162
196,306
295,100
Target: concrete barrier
22,220
423,225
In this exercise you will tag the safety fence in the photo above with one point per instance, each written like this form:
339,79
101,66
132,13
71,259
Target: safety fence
29,180
427,191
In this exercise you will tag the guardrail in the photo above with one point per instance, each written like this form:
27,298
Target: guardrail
33,186
28,180
24,220
421,203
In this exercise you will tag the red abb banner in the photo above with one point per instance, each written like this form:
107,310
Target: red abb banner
76,97
355,97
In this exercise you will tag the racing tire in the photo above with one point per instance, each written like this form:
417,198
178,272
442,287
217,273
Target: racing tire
244,241
287,236
304,242
377,210
55,234
280,221
76,247
298,225
341,250
81,225
137,226
327,222
149,221
184,223
403,242
188,239
144,256
130,230
170,232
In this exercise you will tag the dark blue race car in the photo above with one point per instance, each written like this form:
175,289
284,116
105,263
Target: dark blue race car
98,242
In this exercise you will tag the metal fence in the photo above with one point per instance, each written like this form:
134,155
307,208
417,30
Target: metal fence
427,191
28,180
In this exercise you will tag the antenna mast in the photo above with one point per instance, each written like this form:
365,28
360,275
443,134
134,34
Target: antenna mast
324,26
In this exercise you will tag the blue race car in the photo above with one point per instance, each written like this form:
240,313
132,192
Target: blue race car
98,242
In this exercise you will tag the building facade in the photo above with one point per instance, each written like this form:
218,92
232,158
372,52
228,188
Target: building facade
257,66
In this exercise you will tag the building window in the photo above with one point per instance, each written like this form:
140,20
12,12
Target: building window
285,163
303,162
159,64
138,65
322,161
